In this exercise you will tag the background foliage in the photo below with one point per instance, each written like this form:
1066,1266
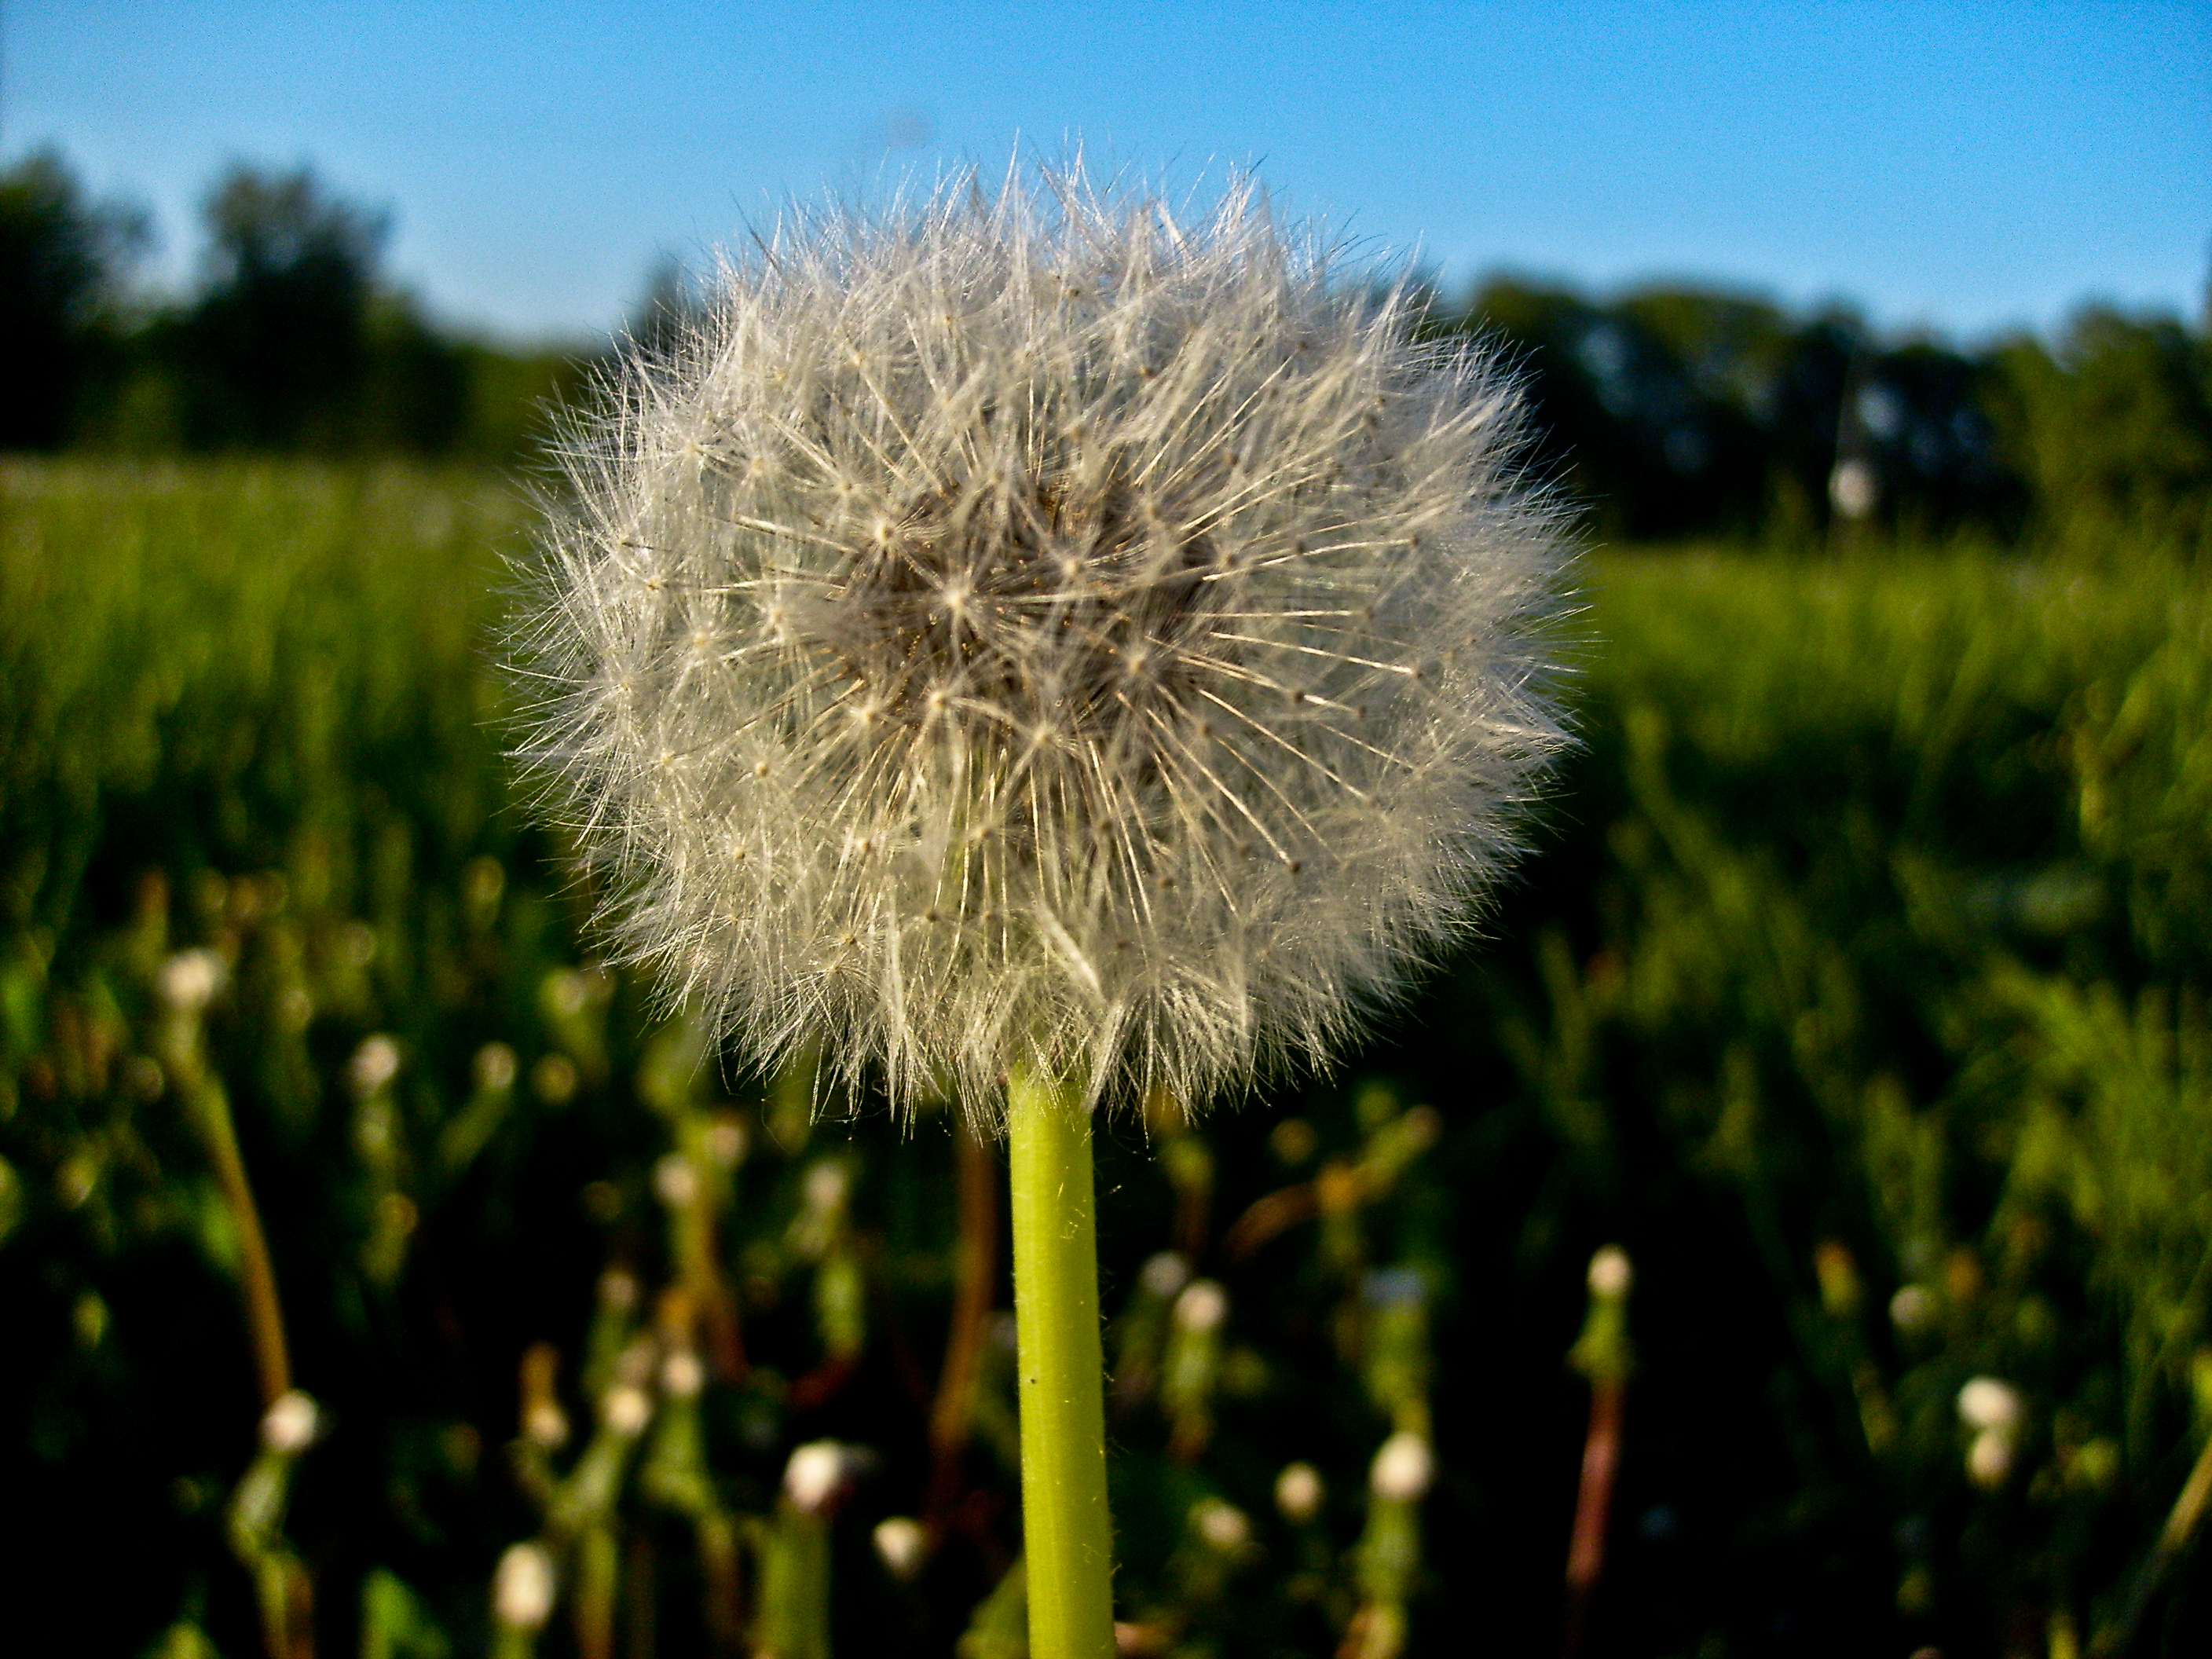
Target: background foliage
1857,987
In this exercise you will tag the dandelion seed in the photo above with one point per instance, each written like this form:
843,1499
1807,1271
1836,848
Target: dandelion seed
1236,661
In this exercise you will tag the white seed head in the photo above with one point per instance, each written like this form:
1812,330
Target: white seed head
1298,1492
1165,1272
1988,1404
288,1425
522,1588
189,979
675,1181
375,1064
1221,1524
682,1376
1403,1468
901,1545
1125,643
726,1142
1912,1309
626,1409
495,1069
546,1424
1611,1273
1988,1458
1202,1306
815,1474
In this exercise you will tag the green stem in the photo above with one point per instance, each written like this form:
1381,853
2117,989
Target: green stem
1066,1530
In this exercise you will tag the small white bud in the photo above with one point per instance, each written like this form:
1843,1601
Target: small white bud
1163,1274
522,1588
1985,1403
726,1142
1298,1492
1912,1309
1403,1468
617,1290
814,1474
682,1376
676,1182
1611,1273
1989,1459
1202,1307
289,1424
1221,1524
189,979
901,1545
545,1424
826,1184
375,1064
495,1069
626,1409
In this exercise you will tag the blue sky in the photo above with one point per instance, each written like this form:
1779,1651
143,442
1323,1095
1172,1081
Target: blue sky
1967,168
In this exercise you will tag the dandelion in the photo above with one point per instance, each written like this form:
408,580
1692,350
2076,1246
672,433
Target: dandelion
902,1546
1027,647
522,1588
1298,1492
289,1427
1403,1468
817,1473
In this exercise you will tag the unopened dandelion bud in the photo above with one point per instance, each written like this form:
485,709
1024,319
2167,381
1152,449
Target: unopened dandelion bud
1202,1307
546,1424
1403,1468
626,1409
189,980
1611,1273
1221,1524
1298,1492
1912,1309
1163,1273
675,1181
726,1142
1988,1458
617,1290
901,1545
288,1425
1987,1404
1020,629
495,1069
373,1065
826,1184
682,1376
522,1588
815,1474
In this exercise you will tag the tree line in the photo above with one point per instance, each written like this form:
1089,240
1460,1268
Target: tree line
1666,413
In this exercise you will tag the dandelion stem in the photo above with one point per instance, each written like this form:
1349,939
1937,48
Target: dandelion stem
209,1109
1066,1529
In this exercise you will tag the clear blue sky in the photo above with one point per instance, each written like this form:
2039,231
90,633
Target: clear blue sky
1969,167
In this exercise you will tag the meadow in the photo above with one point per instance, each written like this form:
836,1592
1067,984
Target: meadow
1856,987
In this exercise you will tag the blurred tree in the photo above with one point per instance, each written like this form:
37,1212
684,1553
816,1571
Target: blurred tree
2112,429
62,263
295,344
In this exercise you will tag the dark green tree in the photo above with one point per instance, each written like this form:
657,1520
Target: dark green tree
63,260
295,344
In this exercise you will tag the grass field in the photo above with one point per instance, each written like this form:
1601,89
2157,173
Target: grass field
1857,988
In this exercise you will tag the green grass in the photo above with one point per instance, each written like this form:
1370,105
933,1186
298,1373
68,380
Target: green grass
1865,951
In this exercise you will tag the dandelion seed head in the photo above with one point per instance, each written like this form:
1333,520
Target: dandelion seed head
1119,647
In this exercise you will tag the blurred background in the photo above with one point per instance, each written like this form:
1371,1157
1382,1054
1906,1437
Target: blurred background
1789,1230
